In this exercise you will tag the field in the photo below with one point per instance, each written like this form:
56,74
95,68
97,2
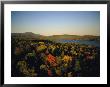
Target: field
34,55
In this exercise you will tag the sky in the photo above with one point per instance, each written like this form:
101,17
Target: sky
56,22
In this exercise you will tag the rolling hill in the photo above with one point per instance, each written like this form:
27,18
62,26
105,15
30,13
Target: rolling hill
30,35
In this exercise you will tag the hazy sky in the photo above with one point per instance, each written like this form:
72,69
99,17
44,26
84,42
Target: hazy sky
56,22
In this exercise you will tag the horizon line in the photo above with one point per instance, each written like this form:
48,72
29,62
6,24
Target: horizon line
58,34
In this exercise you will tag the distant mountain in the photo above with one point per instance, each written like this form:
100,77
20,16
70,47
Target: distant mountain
30,35
27,35
74,37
